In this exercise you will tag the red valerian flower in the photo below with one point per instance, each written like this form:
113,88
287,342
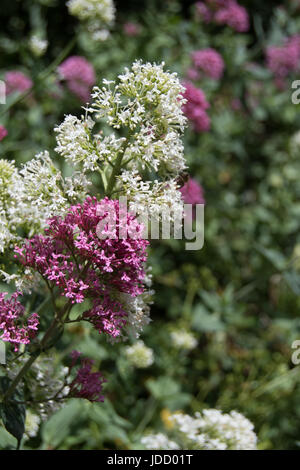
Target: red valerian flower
87,384
86,256
12,325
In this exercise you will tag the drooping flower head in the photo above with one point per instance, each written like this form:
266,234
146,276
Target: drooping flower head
79,75
13,328
87,384
83,255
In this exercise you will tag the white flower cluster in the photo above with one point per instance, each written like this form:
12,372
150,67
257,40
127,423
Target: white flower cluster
209,430
160,200
77,144
28,198
214,430
37,45
148,102
46,383
183,339
32,424
97,14
159,442
139,355
9,192
146,107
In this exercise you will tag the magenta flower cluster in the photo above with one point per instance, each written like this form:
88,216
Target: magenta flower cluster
192,192
12,324
282,60
3,132
226,12
87,384
208,61
79,75
83,256
195,107
16,81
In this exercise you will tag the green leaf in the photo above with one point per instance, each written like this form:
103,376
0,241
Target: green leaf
7,441
206,322
12,414
293,281
163,388
59,425
274,256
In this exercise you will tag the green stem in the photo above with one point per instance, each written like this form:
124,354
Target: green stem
36,354
19,376
115,172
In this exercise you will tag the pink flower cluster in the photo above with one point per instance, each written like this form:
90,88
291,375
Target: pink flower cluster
87,384
3,132
209,61
227,12
192,192
79,75
195,107
17,82
282,60
13,328
83,256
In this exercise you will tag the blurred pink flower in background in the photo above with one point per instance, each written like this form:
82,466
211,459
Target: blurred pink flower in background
16,81
195,107
79,75
131,29
282,60
192,74
192,192
209,61
227,12
3,132
233,15
204,12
